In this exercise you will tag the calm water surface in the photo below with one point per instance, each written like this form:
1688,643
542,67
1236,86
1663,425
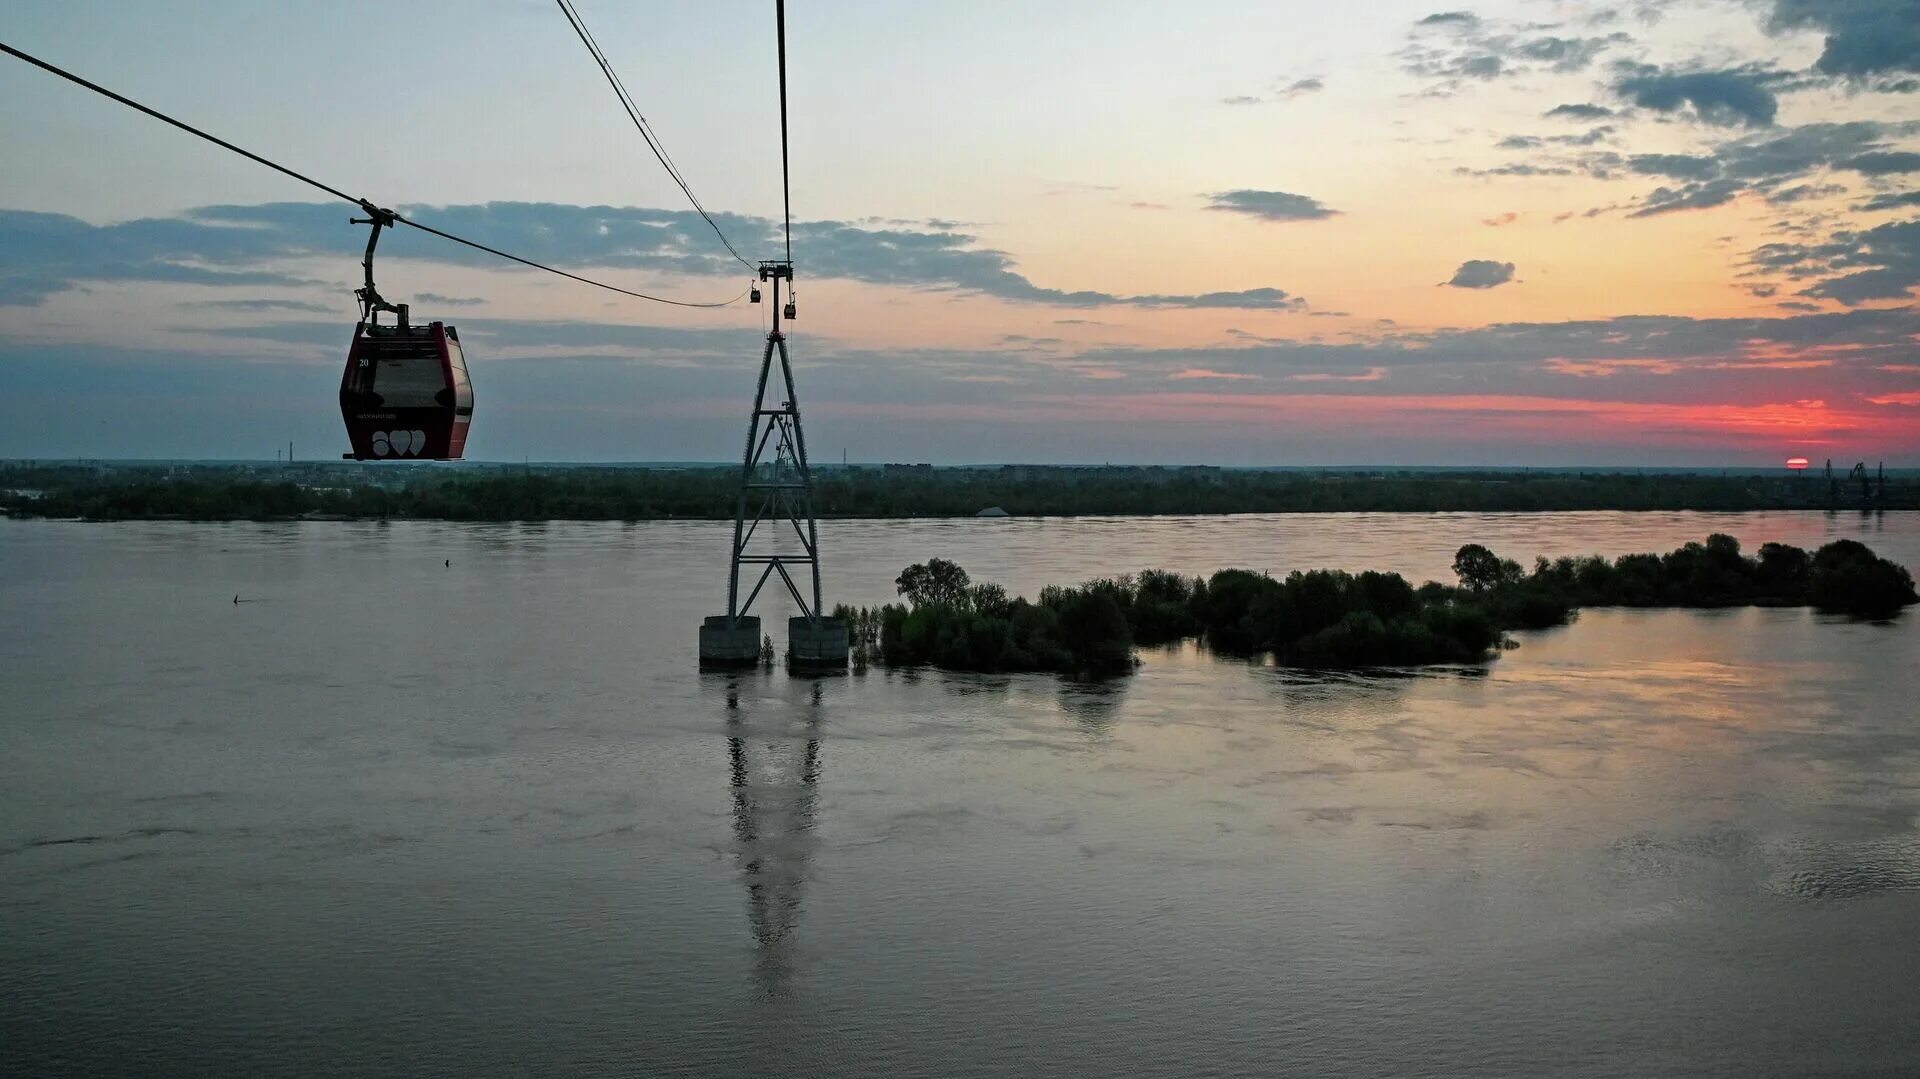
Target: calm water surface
391,816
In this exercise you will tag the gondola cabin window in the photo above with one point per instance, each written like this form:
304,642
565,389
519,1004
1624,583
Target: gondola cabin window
403,373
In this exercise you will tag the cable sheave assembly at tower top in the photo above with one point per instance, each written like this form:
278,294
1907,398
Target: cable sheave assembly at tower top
364,204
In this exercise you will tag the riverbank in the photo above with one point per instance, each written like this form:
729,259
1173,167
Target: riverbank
593,493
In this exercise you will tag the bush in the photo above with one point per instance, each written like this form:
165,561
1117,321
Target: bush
1848,577
1468,626
1163,607
1358,639
1094,631
1229,599
1783,572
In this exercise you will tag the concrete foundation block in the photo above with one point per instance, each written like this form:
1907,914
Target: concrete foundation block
817,645
730,642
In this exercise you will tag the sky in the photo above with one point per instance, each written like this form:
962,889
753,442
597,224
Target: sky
1529,233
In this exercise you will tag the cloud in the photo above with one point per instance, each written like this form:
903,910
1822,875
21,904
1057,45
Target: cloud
1610,368
1270,205
580,339
449,301
1519,169
1880,263
1075,187
41,254
1801,149
267,305
1677,166
1498,220
1371,374
581,389
1766,164
1854,340
1883,163
1453,47
1534,142
1256,299
1863,37
1592,136
1578,112
1204,373
1853,267
1803,193
1727,98
1481,273
1564,54
1704,196
1286,92
1898,200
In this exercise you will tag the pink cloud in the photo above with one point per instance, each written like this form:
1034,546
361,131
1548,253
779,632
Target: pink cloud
1372,374
1203,372
1609,368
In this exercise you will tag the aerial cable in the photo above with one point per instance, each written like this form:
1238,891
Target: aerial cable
653,141
363,204
640,123
786,186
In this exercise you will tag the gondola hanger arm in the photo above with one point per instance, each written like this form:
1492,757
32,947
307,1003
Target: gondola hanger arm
371,302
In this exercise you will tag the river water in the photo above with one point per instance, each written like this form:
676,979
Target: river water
393,816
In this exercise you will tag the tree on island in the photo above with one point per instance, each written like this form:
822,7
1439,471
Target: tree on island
1480,569
936,583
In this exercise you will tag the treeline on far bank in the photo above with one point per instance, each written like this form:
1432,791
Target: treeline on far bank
1335,619
494,493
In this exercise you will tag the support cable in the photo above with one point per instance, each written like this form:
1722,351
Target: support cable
786,186
362,203
640,123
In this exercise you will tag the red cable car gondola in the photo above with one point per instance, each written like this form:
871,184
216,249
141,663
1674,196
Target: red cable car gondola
406,394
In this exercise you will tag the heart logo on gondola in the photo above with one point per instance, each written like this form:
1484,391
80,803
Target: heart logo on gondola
399,443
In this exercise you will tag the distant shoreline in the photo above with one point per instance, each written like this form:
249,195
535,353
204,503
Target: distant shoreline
336,518
332,491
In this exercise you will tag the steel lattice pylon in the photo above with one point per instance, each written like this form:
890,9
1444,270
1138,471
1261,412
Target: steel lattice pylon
780,491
